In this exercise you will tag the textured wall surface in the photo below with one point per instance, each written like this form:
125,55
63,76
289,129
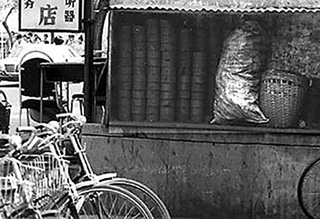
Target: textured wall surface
211,175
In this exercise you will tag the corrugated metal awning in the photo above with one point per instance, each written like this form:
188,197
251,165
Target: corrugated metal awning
256,6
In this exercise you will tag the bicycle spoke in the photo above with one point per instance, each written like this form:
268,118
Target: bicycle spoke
128,214
93,206
102,209
113,205
124,207
152,201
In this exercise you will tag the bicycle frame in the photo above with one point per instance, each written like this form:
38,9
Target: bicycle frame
87,170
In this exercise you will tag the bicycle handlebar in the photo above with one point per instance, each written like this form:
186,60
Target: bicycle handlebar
26,129
71,123
75,120
46,140
32,141
48,127
66,115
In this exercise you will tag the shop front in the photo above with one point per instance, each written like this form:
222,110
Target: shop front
211,104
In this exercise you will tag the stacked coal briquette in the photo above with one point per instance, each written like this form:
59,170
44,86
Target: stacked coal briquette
199,74
139,73
124,76
184,74
153,69
168,70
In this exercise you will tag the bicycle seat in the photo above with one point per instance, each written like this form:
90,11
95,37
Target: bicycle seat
77,95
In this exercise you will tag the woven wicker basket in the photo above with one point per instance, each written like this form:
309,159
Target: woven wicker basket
281,97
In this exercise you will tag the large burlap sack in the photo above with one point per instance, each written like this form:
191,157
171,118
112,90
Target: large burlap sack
239,75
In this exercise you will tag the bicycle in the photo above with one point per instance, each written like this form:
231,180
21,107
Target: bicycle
308,190
71,126
29,181
75,202
17,180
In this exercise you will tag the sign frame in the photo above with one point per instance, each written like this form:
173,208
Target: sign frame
79,27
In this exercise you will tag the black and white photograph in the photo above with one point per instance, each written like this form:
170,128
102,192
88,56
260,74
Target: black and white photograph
159,109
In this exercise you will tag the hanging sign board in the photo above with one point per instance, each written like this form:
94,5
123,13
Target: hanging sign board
50,15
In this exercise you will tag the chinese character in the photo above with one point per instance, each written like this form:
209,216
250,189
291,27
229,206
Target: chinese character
47,15
70,3
28,3
69,16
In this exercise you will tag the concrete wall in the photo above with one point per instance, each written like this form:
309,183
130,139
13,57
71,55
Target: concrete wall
210,173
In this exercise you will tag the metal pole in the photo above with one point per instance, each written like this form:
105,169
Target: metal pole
20,96
2,40
41,94
108,78
2,37
88,63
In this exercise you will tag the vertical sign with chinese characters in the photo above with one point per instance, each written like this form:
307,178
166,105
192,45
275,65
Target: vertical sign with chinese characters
46,15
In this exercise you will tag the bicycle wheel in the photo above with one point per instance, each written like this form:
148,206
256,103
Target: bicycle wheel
106,202
309,190
151,199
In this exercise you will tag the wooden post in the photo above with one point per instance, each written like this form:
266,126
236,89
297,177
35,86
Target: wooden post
88,63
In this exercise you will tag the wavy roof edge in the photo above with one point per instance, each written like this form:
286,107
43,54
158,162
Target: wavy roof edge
217,9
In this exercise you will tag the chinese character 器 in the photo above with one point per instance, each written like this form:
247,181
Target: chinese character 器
69,16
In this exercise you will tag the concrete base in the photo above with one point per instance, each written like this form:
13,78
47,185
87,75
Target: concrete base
212,174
